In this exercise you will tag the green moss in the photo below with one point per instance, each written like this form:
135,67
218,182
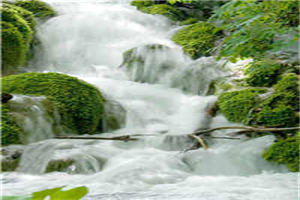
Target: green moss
189,21
12,16
40,9
25,14
279,109
13,49
263,73
166,10
237,104
9,165
79,103
140,4
285,152
197,39
10,131
58,165
280,116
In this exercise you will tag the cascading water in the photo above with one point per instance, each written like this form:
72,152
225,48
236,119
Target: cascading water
87,40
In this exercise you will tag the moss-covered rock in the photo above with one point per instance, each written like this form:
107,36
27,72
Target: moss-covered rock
189,21
79,103
197,39
285,152
140,4
263,73
114,116
18,27
40,9
25,14
279,109
13,48
236,105
10,157
11,133
166,10
148,63
59,165
12,16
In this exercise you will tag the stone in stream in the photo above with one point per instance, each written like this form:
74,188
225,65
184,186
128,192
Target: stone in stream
5,97
10,157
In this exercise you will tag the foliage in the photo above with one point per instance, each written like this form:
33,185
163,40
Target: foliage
256,27
79,103
10,131
166,10
286,152
263,73
40,9
236,105
196,39
57,194
53,194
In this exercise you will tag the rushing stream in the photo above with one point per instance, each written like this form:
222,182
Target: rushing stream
87,40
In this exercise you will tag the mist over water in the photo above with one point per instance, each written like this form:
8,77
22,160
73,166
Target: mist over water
87,40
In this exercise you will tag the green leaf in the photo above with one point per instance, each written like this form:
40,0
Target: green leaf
57,194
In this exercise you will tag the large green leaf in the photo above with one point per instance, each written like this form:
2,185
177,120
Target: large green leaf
58,194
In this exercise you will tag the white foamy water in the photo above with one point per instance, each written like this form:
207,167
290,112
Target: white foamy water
87,40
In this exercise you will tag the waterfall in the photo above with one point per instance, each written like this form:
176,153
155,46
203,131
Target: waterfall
164,96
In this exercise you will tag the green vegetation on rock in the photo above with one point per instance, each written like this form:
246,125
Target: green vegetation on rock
58,165
25,14
281,107
189,21
236,105
285,151
18,27
263,73
40,9
79,103
13,48
166,10
10,165
140,4
11,133
196,39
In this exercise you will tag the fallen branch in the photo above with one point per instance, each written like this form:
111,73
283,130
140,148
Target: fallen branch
124,138
245,129
200,140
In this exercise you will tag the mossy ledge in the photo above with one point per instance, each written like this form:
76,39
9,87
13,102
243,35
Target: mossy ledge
79,103
236,105
197,39
285,151
18,29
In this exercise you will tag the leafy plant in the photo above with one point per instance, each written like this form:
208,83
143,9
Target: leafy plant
257,28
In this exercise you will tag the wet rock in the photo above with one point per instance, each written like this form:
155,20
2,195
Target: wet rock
59,165
10,157
5,97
